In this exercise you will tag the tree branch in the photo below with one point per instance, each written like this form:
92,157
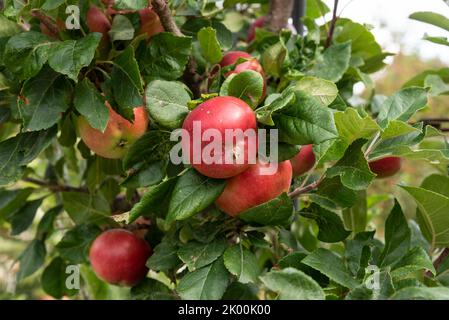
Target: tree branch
55,187
280,12
332,27
301,190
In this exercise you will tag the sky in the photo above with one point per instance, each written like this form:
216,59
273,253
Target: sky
392,27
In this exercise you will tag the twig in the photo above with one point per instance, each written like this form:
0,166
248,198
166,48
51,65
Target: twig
372,145
54,186
301,190
332,27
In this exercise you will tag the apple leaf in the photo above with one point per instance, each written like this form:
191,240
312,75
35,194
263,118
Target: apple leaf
414,260
74,246
164,256
167,102
197,255
433,18
210,47
22,219
68,57
31,259
54,279
247,85
351,126
292,284
86,208
242,263
333,63
324,90
130,4
277,211
193,193
421,293
121,29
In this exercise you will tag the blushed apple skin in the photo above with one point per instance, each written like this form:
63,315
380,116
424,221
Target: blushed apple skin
258,23
221,113
232,57
385,167
114,142
150,22
97,21
119,257
251,188
303,161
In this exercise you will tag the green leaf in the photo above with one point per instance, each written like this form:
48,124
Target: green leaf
391,145
164,256
74,246
85,208
332,194
264,114
91,104
166,56
121,29
415,260
438,40
242,263
153,200
12,200
148,175
240,291
306,121
277,211
18,151
397,236
351,126
126,83
193,193
207,283
197,255
150,289
421,293
31,259
358,252
432,215
8,28
273,58
26,53
45,226
247,85
52,4
397,128
353,168
436,84
316,9
224,36
355,217
402,105
54,279
22,219
130,4
432,18
324,90
292,284
330,226
328,263
437,183
68,57
333,63
48,95
166,102
210,47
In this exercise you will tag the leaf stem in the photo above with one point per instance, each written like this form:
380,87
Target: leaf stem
372,145
301,190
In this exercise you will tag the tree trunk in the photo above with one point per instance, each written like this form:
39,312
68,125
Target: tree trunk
280,12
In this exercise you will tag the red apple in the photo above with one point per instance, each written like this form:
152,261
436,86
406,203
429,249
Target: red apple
150,22
252,187
97,21
258,23
303,161
114,142
232,57
385,167
221,113
119,257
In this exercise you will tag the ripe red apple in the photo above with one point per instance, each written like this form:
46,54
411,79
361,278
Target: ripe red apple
385,167
114,142
258,23
150,22
303,161
221,113
119,257
232,57
97,21
252,187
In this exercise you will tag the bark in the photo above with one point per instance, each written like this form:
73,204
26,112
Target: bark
280,12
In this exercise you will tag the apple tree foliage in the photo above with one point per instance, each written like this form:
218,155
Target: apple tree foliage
320,245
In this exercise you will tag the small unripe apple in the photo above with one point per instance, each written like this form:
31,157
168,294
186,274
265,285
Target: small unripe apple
150,22
385,167
258,23
97,21
232,57
303,161
119,257
221,114
252,188
120,133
